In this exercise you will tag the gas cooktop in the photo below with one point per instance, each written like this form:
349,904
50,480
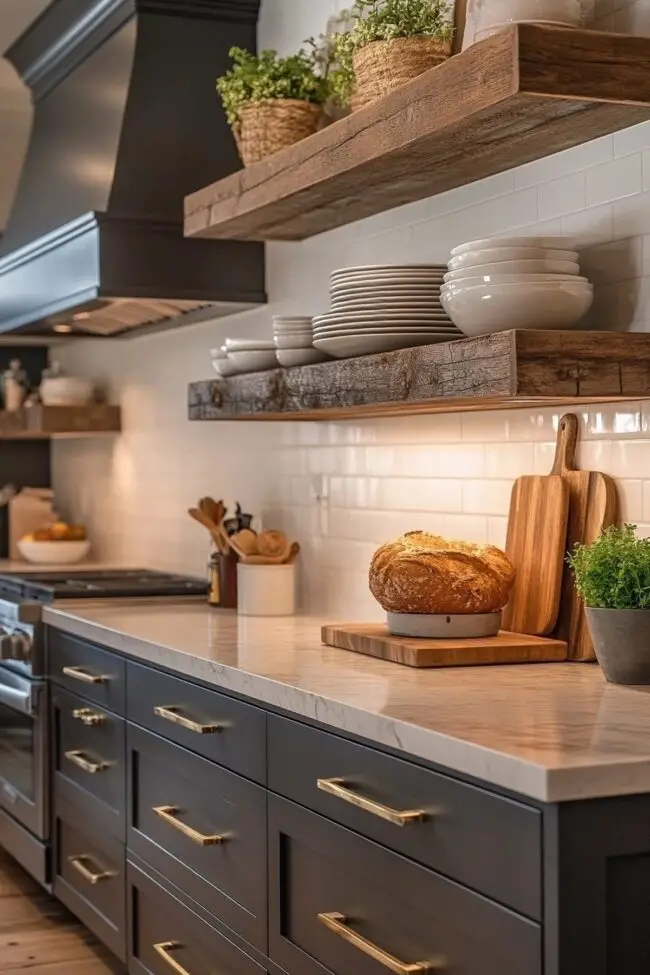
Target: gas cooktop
47,586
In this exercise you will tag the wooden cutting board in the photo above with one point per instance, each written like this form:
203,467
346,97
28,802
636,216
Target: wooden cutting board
537,530
593,506
374,640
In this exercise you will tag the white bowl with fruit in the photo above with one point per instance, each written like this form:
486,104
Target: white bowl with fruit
57,544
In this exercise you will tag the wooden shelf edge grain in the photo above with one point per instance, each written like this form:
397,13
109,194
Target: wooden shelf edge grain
525,93
45,422
502,371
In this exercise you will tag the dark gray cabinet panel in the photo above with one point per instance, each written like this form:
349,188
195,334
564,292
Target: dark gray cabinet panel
85,669
487,842
400,910
220,728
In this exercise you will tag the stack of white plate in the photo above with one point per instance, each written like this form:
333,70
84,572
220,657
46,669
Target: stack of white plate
382,308
294,341
244,355
515,282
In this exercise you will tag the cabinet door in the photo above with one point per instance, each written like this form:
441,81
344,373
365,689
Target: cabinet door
341,903
96,674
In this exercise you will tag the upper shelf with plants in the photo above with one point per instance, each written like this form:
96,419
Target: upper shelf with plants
524,93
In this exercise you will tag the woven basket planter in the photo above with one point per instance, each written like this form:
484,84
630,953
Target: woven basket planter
382,66
266,127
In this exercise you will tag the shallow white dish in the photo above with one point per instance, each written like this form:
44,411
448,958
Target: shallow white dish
219,353
549,279
224,368
50,553
496,255
532,11
428,318
300,357
386,280
373,268
449,330
485,32
293,330
294,341
516,267
489,243
254,361
491,308
248,345
386,307
347,346
340,295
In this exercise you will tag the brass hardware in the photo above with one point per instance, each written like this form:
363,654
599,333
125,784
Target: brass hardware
339,924
164,949
170,713
79,865
169,815
78,674
78,758
338,788
88,717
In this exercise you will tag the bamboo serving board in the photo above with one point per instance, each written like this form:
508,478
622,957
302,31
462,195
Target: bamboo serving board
374,640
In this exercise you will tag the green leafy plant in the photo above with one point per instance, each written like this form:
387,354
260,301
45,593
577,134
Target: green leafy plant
614,571
384,20
257,78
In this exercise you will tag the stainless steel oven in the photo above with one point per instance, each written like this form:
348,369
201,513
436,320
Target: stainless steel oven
23,751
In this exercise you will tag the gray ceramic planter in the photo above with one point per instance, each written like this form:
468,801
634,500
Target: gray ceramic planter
622,642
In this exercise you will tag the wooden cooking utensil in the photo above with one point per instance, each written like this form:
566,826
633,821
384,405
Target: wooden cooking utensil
218,535
537,530
272,543
593,506
246,541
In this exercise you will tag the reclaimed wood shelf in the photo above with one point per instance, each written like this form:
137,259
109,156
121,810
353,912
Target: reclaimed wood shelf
46,422
506,370
525,93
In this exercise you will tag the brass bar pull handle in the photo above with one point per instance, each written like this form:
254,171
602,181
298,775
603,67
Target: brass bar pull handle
164,949
88,717
339,924
172,714
338,788
78,758
78,674
169,815
93,877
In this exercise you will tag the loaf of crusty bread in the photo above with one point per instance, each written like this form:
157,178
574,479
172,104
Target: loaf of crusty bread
422,573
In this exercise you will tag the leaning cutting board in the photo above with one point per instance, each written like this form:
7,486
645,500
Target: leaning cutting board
374,640
593,506
536,546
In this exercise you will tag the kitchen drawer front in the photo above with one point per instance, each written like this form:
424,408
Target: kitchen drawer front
90,759
186,945
208,835
218,727
82,668
485,841
341,903
90,877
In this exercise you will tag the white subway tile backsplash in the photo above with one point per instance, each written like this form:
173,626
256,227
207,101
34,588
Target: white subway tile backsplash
614,180
564,195
634,139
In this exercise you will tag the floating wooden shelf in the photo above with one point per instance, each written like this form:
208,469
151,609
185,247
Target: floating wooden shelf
510,369
525,93
44,422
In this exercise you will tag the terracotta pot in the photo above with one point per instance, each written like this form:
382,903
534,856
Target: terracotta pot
622,643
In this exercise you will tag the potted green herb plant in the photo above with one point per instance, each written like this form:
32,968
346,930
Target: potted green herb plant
273,102
390,43
612,575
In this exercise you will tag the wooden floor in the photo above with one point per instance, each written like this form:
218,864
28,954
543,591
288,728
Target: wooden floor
38,936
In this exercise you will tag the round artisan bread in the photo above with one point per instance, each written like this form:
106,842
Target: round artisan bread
422,573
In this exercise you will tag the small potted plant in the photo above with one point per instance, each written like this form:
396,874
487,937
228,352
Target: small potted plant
612,575
390,43
273,102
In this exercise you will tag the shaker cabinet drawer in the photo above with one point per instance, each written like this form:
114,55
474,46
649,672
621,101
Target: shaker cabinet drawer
485,841
227,731
83,668
203,828
166,938
341,903
89,759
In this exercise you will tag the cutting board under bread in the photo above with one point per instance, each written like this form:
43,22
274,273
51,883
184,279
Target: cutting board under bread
593,506
374,640
536,546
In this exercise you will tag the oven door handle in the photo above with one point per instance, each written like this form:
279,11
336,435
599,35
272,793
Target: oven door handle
17,693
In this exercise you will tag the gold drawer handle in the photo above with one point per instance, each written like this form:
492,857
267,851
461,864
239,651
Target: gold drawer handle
78,758
339,925
164,949
79,865
338,788
169,815
78,674
172,714
88,717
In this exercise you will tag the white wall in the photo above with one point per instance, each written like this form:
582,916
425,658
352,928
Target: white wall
450,474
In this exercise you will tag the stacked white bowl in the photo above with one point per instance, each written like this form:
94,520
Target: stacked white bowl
294,341
243,355
515,282
496,15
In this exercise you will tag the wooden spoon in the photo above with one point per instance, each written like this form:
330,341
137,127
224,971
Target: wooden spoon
294,552
217,533
281,559
272,543
246,540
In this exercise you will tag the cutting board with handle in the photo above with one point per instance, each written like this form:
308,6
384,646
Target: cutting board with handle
593,506
536,546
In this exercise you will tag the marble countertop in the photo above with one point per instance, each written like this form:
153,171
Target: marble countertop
553,732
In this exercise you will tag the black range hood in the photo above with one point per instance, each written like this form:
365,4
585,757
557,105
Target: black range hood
127,122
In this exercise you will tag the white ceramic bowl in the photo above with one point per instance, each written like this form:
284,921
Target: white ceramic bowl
66,391
488,308
488,243
550,279
507,12
254,361
294,341
218,353
249,345
300,357
50,553
497,255
224,368
292,329
515,267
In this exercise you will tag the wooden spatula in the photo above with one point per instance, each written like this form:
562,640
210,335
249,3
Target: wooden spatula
593,506
537,529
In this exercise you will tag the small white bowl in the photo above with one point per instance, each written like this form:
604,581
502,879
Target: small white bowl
504,13
550,279
292,329
288,358
515,267
248,345
218,353
224,368
488,243
294,341
66,391
496,255
51,553
259,360
491,308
